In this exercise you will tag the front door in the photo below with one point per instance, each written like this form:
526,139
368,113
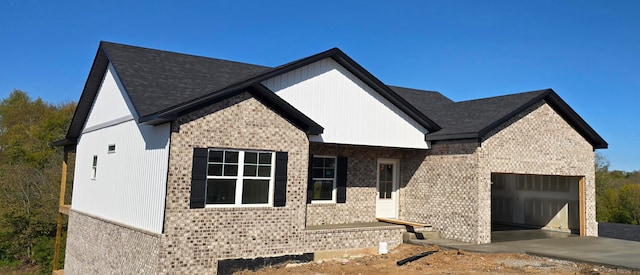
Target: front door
387,198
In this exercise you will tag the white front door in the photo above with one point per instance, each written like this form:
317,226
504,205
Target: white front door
387,197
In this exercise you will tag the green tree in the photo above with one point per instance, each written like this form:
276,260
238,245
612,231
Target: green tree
29,174
606,199
617,193
630,201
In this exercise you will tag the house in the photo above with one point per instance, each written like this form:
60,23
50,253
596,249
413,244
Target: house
188,164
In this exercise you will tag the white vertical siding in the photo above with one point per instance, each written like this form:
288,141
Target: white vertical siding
111,102
350,111
130,184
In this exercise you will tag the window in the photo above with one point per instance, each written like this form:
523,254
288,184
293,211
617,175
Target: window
324,179
94,167
239,177
111,149
385,180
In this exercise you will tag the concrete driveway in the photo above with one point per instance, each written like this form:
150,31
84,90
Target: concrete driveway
593,250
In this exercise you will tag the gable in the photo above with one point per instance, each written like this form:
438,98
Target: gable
350,111
111,104
538,140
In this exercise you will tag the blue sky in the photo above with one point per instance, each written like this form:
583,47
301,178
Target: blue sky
587,51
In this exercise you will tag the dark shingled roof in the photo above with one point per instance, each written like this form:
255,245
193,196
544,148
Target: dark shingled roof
163,85
474,119
157,80
430,103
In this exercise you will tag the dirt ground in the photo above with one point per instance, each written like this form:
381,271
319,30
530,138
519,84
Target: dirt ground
441,262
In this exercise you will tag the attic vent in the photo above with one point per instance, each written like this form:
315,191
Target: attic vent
111,149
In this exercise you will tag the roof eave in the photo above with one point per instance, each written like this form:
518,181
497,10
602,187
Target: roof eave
296,117
435,137
155,120
64,142
260,92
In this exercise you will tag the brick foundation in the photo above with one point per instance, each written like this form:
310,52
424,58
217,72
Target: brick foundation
96,246
338,239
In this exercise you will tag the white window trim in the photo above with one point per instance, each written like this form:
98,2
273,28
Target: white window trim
109,151
240,178
94,167
334,192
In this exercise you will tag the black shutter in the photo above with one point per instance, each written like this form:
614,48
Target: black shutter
199,177
310,180
341,180
280,188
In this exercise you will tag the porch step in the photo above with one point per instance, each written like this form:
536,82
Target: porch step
420,235
405,223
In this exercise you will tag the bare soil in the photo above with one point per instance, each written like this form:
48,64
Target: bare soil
441,262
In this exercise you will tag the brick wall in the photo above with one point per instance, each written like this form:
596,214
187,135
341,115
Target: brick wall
444,191
96,246
195,238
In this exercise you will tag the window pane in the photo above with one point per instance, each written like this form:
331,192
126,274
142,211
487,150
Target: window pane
386,172
387,192
265,158
328,173
250,170
215,170
230,170
318,162
318,172
385,189
255,191
264,171
215,156
323,190
230,157
221,191
329,162
250,157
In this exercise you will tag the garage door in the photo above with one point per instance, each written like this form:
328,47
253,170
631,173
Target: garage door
536,201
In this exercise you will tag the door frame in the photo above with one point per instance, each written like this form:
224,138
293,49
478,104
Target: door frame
395,194
583,209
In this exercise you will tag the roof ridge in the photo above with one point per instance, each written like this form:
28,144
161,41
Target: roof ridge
504,96
102,42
